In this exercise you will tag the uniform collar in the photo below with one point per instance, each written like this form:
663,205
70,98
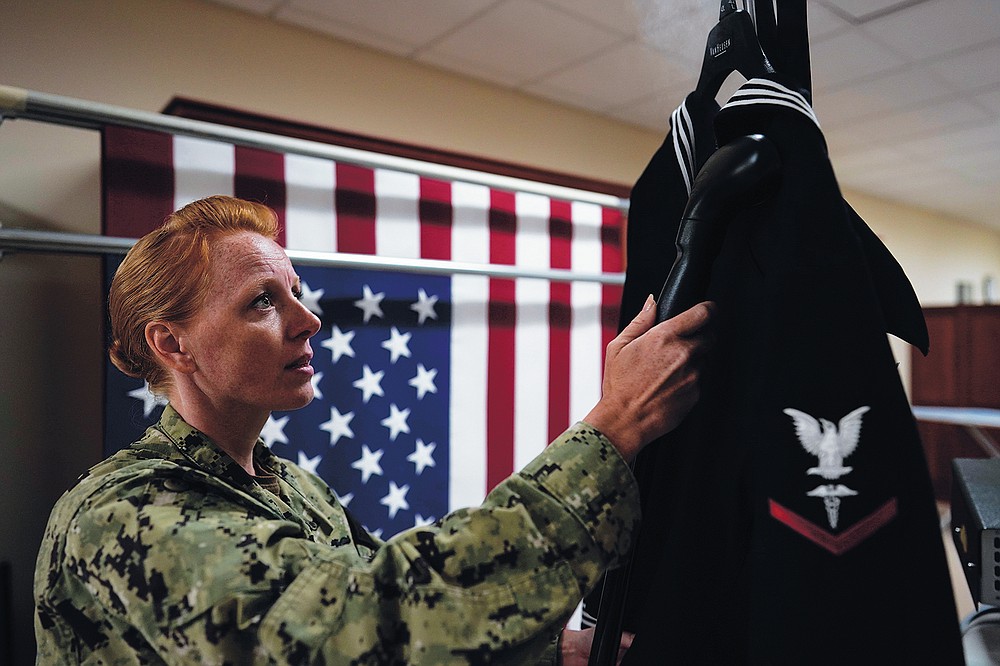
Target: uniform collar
197,447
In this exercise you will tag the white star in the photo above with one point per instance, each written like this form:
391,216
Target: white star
338,426
310,299
339,343
367,464
424,307
370,303
149,401
316,379
424,381
375,533
309,464
370,383
397,344
346,499
420,521
396,421
422,456
396,499
274,431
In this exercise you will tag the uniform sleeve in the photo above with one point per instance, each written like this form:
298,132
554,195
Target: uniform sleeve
491,584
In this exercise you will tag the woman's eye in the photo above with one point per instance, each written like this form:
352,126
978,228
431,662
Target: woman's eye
297,293
262,302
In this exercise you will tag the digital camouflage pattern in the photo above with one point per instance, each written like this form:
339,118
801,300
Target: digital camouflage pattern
169,552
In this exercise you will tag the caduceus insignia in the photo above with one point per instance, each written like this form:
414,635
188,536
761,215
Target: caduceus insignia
831,444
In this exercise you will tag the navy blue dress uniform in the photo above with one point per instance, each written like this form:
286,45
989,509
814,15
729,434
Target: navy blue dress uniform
790,519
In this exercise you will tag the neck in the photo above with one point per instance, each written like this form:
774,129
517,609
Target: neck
233,431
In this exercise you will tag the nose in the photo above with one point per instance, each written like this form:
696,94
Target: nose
305,323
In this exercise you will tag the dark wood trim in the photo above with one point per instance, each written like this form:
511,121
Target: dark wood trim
184,107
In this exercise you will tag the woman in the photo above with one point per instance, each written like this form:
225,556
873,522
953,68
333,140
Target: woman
196,544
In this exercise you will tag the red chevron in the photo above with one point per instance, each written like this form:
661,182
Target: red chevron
838,544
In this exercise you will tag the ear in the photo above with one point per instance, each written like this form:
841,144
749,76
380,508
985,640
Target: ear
165,342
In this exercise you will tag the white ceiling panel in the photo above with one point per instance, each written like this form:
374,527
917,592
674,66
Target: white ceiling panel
883,95
626,73
922,122
936,27
253,6
823,22
345,31
678,28
953,141
990,101
868,160
850,56
521,41
402,21
620,16
862,10
652,111
978,69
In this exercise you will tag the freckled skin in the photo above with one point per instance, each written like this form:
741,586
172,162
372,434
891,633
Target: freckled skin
250,328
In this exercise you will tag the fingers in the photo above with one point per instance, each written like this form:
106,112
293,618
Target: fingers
625,644
692,321
641,323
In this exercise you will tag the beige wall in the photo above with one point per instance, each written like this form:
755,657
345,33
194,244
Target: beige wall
139,54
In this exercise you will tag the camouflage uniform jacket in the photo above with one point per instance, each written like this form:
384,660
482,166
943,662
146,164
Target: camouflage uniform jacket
169,552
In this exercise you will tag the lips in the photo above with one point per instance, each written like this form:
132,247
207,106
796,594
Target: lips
300,362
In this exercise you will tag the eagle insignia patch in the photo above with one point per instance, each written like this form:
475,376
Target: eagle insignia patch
831,443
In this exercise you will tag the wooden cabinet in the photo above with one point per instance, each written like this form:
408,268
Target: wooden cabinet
963,366
961,370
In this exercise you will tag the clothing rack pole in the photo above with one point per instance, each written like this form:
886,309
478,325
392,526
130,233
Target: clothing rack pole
45,107
59,242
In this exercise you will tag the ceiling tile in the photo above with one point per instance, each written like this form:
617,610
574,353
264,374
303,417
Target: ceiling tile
822,22
938,26
865,161
953,141
971,70
652,112
400,21
891,92
861,10
255,6
679,28
518,42
622,16
849,56
989,100
927,120
345,31
979,168
615,77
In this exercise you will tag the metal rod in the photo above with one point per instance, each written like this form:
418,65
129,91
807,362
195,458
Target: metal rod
54,241
964,416
44,107
984,441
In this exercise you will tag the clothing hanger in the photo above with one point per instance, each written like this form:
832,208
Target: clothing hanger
732,46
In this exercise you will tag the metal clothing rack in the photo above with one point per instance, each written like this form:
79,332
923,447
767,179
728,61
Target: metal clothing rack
30,105
971,419
67,243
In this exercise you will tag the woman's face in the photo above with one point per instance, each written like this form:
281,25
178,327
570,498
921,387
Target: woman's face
250,338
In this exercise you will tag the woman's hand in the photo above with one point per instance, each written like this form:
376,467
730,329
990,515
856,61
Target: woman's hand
651,376
575,647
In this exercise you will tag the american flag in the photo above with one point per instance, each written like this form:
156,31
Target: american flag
430,390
